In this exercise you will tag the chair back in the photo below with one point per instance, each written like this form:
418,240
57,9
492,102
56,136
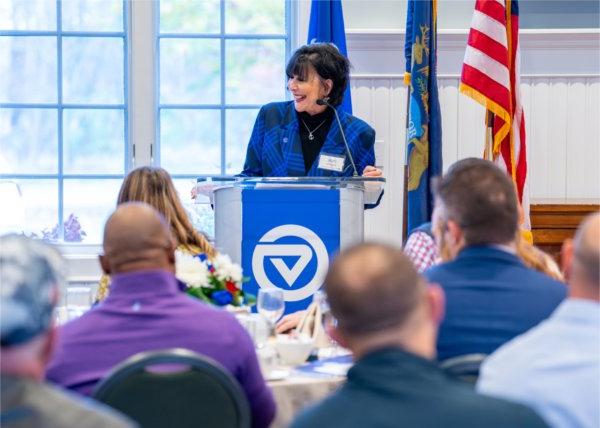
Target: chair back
464,367
175,388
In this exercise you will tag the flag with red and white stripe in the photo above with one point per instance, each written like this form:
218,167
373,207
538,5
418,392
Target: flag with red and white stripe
490,75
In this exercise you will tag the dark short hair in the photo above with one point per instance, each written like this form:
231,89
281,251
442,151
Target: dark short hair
327,61
481,198
367,297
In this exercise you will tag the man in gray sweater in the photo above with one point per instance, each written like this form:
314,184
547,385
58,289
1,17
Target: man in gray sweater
30,276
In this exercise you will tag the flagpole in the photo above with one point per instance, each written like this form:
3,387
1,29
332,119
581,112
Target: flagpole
405,185
488,152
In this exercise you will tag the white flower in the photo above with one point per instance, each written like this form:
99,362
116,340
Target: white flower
225,269
191,270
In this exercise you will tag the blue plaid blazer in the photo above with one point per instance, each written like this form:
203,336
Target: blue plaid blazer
275,149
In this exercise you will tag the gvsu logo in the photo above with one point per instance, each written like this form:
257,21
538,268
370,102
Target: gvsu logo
268,248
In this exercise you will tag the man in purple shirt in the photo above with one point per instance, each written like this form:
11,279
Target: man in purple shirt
147,311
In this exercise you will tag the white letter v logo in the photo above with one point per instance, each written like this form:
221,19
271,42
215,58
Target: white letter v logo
290,275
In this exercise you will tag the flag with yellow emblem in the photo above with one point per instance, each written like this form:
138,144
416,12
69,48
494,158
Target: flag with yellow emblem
424,125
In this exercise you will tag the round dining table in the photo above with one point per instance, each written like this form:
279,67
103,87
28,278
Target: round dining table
294,389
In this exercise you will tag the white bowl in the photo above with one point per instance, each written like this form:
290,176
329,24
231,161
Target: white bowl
293,351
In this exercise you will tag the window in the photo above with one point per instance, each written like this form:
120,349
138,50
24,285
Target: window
67,113
63,115
219,61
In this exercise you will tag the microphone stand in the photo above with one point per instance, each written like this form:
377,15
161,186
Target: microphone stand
323,102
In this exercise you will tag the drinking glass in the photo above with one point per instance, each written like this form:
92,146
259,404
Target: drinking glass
270,304
328,321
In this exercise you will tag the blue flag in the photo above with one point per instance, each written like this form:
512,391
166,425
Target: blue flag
424,133
327,25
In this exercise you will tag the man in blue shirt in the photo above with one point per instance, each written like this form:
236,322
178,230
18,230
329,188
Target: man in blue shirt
555,367
491,296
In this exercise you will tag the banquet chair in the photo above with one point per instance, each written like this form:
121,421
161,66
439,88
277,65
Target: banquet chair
463,367
175,388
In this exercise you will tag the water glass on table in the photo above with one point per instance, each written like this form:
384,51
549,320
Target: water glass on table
270,304
327,321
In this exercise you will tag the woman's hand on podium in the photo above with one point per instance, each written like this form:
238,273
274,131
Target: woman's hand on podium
372,171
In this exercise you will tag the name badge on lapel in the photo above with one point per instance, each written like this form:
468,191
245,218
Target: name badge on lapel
331,162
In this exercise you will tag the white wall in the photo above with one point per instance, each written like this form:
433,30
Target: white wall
561,98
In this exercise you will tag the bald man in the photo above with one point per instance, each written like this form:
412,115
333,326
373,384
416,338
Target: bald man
146,310
137,238
555,367
388,317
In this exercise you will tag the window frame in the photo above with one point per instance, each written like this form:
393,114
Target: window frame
59,106
289,39
140,22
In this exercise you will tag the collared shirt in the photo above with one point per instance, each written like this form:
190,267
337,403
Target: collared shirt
147,311
421,250
554,368
390,387
506,248
491,297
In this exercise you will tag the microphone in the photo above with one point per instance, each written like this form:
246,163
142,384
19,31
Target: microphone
324,102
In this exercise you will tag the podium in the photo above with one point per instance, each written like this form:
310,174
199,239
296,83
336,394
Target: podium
284,231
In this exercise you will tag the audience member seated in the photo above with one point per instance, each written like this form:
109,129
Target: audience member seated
30,277
555,367
145,310
388,316
491,295
421,248
154,186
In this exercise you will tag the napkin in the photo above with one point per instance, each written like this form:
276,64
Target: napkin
311,325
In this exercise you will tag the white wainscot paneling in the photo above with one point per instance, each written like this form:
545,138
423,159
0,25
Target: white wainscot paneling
563,136
561,102
382,103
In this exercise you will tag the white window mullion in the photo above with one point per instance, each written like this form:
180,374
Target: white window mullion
143,78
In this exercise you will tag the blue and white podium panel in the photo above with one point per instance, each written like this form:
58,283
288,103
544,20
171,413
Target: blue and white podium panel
285,231
288,238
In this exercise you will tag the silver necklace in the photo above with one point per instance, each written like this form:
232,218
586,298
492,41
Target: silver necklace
310,133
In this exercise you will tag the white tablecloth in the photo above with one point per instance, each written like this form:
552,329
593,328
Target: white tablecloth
299,391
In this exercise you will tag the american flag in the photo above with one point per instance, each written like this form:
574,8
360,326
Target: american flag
490,75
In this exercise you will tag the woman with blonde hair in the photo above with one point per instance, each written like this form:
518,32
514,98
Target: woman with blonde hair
154,186
536,259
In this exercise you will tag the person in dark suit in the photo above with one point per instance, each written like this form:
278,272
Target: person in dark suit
387,316
302,138
491,296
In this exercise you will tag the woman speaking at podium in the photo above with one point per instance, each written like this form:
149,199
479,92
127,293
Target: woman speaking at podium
304,137
311,135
